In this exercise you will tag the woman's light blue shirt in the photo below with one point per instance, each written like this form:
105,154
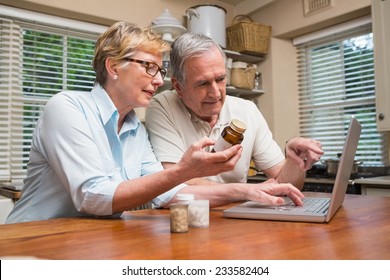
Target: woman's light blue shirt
77,158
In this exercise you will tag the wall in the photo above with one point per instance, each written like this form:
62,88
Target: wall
279,69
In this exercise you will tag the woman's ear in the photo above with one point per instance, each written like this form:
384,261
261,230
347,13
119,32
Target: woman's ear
111,69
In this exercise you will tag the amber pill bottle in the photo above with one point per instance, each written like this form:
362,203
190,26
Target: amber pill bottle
231,135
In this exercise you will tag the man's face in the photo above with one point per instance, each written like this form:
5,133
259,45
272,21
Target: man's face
205,89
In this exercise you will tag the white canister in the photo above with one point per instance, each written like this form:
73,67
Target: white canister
198,213
208,20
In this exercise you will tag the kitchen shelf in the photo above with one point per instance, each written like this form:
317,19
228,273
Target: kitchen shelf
237,56
243,57
243,92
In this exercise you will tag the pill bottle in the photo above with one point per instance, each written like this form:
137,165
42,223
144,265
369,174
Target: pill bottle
185,198
231,135
178,217
199,213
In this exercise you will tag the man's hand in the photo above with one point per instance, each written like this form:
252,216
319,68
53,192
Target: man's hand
304,152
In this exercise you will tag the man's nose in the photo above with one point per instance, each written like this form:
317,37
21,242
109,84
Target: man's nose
214,90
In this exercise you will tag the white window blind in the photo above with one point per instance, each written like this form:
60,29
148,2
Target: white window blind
336,80
36,62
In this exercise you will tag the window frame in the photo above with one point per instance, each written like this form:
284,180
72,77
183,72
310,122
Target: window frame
14,138
309,125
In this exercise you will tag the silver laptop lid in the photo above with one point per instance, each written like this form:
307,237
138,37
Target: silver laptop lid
345,167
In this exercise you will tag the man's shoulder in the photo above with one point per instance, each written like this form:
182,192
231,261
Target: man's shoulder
166,94
165,99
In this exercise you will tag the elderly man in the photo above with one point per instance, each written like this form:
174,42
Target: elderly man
198,106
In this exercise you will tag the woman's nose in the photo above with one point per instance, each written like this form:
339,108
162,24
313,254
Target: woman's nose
158,80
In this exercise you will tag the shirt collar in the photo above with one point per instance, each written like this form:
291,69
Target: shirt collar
104,103
108,110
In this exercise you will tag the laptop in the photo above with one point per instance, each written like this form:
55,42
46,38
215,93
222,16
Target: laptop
315,209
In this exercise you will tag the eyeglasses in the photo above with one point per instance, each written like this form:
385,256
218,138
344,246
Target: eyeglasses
151,68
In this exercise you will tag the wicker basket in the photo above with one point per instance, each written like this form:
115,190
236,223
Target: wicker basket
247,36
243,75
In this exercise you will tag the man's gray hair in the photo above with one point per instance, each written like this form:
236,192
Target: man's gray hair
187,46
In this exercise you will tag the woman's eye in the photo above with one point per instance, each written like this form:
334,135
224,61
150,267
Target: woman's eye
152,67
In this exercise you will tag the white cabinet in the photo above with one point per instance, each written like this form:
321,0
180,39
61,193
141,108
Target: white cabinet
381,30
379,186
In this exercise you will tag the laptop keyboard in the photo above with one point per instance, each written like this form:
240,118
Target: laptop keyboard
310,205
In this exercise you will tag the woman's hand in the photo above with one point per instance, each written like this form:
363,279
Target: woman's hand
200,163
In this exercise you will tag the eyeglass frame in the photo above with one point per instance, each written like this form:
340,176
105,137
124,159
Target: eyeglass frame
163,71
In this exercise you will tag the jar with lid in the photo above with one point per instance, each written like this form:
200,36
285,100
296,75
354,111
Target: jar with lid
185,198
179,217
198,213
231,135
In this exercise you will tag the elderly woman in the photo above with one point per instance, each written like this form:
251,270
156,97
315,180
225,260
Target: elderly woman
90,154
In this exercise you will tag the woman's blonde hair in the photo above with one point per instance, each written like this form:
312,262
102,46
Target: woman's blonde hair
119,41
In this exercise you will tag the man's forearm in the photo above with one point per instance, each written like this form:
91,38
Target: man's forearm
201,181
291,173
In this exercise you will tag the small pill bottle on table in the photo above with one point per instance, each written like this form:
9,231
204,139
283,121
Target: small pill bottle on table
185,198
199,213
179,217
198,210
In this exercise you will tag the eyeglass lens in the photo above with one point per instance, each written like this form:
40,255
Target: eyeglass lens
151,68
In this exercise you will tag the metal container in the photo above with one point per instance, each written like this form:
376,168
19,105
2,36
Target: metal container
208,20
332,165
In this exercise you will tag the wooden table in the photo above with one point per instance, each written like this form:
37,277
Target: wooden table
359,230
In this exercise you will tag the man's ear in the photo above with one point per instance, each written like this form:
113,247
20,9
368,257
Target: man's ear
176,85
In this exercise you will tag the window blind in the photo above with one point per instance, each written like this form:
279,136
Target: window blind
37,61
336,80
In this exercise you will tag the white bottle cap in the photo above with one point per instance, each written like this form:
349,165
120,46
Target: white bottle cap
185,197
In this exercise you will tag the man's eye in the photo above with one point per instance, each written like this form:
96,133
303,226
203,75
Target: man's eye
221,79
203,84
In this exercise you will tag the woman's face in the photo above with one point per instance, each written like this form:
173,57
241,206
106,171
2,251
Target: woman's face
134,87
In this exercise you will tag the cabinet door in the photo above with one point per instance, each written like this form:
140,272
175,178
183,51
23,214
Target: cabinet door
381,30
